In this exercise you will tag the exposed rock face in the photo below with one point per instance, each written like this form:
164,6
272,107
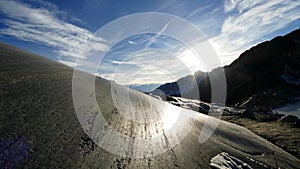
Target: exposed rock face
289,119
255,79
265,76
182,85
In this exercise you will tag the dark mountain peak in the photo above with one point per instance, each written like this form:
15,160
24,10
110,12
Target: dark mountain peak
280,48
265,76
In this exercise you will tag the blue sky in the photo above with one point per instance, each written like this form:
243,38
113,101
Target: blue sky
57,30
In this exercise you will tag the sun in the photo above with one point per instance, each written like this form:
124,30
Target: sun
191,60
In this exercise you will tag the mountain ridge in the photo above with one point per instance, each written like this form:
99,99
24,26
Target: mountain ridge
257,75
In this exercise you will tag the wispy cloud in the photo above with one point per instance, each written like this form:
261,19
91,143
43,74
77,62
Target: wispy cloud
131,42
71,64
231,29
199,11
44,25
249,21
154,38
149,66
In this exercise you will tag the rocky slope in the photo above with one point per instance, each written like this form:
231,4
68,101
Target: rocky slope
265,76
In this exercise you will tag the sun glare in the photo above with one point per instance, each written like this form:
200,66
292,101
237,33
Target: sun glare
170,116
191,60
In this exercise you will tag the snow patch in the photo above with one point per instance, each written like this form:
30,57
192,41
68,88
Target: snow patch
191,104
226,161
251,159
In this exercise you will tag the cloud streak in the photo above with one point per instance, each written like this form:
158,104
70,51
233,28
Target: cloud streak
249,21
148,66
231,30
155,37
43,25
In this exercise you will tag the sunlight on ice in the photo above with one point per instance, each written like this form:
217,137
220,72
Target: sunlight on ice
170,116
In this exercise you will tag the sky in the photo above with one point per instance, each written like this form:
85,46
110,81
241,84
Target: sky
68,32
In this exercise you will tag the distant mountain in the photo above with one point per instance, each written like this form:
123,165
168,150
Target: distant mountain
182,85
265,76
145,87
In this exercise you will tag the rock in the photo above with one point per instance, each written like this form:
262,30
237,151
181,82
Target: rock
259,115
297,124
289,119
87,145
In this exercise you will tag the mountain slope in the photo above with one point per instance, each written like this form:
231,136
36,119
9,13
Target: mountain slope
265,76
182,85
257,77
39,127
